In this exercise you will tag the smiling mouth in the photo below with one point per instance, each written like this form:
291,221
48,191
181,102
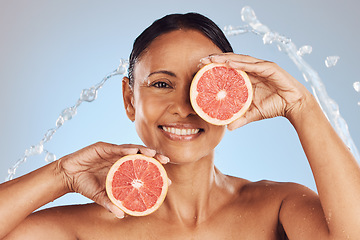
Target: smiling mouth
181,131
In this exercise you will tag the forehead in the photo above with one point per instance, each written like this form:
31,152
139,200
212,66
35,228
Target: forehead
178,50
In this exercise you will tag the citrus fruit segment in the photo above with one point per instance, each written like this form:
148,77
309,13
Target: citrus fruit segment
137,184
220,94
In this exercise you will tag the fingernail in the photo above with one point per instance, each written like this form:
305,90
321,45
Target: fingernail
135,150
237,124
152,151
164,159
119,215
117,212
233,126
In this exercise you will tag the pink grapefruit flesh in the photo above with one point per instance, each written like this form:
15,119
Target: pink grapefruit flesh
137,184
220,94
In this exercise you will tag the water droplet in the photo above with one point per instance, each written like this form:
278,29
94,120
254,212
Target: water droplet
88,95
356,86
285,44
34,150
248,16
39,148
50,157
231,31
331,61
269,37
68,113
122,67
307,49
48,135
283,39
60,121
12,171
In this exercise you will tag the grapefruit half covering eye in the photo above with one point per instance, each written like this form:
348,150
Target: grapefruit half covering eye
137,184
220,94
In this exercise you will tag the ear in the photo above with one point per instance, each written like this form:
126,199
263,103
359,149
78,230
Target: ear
128,96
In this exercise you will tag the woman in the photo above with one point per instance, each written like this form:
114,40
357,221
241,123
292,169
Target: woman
202,203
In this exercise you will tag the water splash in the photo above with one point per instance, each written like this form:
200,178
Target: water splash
87,95
331,61
232,31
356,86
284,44
307,49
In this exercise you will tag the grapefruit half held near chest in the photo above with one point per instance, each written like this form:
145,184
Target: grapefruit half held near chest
220,94
137,184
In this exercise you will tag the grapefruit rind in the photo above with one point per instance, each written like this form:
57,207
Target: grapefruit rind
194,93
118,203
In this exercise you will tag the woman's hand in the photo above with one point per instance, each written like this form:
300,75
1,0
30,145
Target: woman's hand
85,171
276,92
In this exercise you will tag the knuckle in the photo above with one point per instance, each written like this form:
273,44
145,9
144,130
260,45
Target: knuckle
100,144
271,64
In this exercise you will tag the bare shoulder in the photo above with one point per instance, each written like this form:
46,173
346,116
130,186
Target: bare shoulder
63,222
295,209
289,209
281,194
262,188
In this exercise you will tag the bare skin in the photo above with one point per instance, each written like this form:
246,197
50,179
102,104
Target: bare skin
202,203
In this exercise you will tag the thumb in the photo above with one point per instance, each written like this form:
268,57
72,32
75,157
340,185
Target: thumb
251,115
237,123
113,209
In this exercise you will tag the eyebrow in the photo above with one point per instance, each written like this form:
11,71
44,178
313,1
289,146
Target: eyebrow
163,72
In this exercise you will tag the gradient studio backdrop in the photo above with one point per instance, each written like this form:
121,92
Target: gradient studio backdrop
51,50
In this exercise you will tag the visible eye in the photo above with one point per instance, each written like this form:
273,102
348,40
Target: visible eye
161,85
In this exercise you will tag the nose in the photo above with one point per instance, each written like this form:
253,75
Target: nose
181,103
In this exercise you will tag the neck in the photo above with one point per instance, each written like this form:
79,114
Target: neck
195,189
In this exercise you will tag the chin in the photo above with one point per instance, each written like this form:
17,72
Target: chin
187,156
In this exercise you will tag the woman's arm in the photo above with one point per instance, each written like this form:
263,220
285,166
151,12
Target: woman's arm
336,172
83,172
21,196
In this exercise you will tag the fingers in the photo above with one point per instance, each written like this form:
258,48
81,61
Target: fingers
226,57
251,115
129,149
237,123
256,67
152,153
162,159
147,151
113,209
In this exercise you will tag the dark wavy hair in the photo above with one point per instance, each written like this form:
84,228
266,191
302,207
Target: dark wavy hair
174,22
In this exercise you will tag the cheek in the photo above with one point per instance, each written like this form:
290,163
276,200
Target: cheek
148,111
216,134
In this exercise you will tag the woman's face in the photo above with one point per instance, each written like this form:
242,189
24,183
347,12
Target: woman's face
160,103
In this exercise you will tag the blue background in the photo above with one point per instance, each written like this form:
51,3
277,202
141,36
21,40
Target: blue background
51,50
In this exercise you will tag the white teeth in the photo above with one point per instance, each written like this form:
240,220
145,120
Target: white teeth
177,131
181,131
